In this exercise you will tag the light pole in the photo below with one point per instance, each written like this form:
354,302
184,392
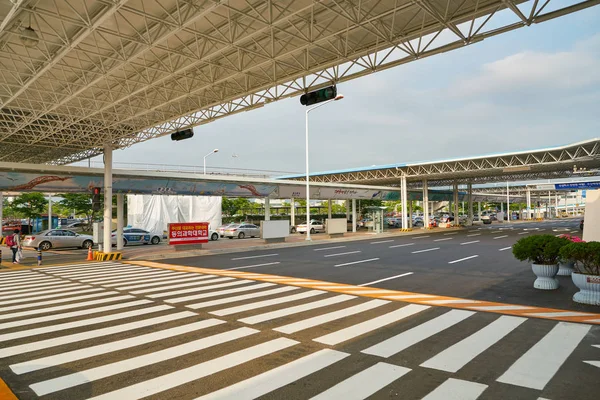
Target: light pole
338,97
214,151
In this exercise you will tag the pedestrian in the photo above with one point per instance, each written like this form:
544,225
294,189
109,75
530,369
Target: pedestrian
14,242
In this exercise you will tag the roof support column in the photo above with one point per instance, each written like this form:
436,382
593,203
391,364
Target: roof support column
353,215
508,213
347,210
120,220
528,203
556,204
470,204
50,212
329,208
404,202
455,205
267,209
479,211
549,205
425,205
292,211
107,234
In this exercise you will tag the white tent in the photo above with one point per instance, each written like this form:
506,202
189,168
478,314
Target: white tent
153,213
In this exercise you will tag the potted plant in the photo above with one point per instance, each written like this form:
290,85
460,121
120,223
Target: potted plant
543,252
565,265
586,274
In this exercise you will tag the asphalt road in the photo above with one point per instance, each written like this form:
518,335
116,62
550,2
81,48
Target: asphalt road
475,263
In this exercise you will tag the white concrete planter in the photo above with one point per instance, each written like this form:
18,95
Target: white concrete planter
545,276
589,289
566,268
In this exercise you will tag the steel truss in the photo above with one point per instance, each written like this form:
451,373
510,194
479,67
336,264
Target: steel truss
126,71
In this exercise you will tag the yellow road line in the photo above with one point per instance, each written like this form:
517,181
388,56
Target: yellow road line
5,392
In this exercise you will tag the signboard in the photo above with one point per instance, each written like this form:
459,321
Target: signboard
577,185
188,233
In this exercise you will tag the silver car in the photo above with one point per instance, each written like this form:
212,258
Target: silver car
57,238
241,231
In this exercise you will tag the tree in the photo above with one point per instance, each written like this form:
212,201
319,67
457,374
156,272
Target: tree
81,203
30,205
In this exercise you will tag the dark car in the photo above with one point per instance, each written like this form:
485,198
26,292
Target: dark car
581,225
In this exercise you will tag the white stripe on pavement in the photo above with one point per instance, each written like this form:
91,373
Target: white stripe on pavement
426,250
332,316
329,248
103,272
249,257
456,389
30,288
474,234
460,354
81,266
274,379
365,383
382,241
406,339
356,262
386,279
295,310
167,281
267,303
505,248
253,266
559,314
500,237
500,308
88,352
62,288
450,233
240,298
420,237
462,259
182,376
76,337
199,289
217,293
523,233
104,371
401,245
441,240
341,254
74,291
143,278
125,276
56,301
23,282
474,241
539,364
370,325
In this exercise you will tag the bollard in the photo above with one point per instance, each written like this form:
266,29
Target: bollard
39,256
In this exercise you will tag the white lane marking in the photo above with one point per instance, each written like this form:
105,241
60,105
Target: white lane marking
441,240
460,354
522,233
185,283
253,266
332,316
505,248
382,241
475,234
103,272
197,289
365,383
212,294
500,308
462,259
267,303
401,245
356,262
386,279
142,278
55,317
456,389
234,299
500,231
539,364
76,337
500,237
30,288
135,275
471,242
249,257
450,233
594,363
341,254
165,281
329,248
452,301
423,251
575,231
183,376
370,325
297,309
420,237
80,323
406,339
276,378
63,288
57,301
104,371
81,266
93,351
37,279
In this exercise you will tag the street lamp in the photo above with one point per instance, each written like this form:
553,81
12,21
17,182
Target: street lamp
338,97
214,151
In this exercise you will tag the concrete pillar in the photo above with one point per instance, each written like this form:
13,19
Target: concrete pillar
404,202
501,207
591,231
329,208
425,205
267,209
456,222
508,213
528,204
50,212
479,209
353,215
107,237
293,212
470,204
120,219
410,212
347,210
556,204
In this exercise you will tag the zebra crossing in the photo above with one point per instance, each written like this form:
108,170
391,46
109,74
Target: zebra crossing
124,331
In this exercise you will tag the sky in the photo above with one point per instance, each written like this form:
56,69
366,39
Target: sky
530,88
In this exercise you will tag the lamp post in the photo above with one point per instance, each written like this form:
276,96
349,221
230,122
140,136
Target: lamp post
338,97
214,151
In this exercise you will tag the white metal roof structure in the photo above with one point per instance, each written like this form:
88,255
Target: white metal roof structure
76,75
551,163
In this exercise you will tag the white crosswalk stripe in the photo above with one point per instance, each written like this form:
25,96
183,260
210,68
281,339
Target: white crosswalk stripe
161,281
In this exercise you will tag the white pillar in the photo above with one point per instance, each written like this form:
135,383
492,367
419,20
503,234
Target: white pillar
479,210
455,211
293,212
404,202
267,209
549,204
108,156
347,210
501,207
508,213
528,216
425,205
410,212
353,215
329,208
556,204
470,204
50,212
120,220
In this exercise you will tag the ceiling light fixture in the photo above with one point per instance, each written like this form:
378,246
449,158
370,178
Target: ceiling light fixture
28,36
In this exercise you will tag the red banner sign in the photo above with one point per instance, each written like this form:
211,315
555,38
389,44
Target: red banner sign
188,233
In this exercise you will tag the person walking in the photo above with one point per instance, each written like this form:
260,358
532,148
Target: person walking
14,242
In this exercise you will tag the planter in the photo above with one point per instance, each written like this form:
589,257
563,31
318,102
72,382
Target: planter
566,269
545,276
589,289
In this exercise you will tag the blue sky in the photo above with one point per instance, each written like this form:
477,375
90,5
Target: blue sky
529,88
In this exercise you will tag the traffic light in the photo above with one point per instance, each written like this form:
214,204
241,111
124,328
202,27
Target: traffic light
318,96
96,199
181,135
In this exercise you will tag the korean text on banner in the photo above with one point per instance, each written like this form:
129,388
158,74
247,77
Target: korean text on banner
188,233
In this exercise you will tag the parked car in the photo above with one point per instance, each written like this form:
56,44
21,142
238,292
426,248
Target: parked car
76,226
486,219
315,226
241,231
137,236
222,228
57,238
396,222
213,234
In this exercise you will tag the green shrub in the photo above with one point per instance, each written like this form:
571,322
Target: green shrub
585,255
539,249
